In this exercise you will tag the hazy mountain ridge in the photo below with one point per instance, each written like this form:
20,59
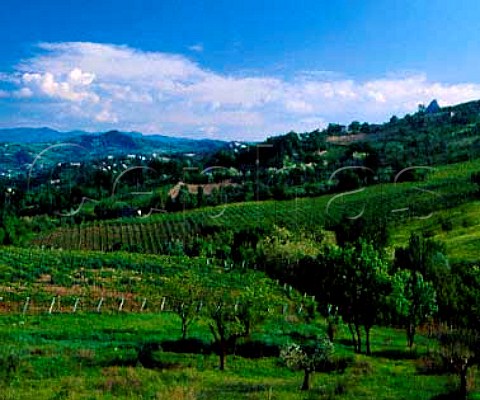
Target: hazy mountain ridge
47,135
20,146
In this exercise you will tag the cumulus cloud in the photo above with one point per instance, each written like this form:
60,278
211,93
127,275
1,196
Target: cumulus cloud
102,86
72,85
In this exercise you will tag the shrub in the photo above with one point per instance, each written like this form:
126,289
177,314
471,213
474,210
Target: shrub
257,349
10,362
193,346
446,224
432,364
362,368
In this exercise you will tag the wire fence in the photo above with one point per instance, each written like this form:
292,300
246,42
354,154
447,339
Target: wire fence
13,303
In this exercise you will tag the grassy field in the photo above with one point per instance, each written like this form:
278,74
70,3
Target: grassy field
89,356
458,228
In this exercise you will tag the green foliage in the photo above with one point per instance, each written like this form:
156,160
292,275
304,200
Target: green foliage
312,358
357,281
233,314
374,229
282,251
187,291
413,300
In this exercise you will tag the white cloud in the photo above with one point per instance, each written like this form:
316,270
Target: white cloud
73,87
23,93
96,85
106,116
77,76
196,47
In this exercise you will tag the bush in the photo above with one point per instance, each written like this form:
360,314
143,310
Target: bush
446,224
257,349
10,361
432,364
362,368
193,346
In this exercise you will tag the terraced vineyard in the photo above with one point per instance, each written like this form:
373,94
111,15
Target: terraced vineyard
447,187
93,281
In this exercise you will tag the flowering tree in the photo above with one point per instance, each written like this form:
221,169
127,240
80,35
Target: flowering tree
298,358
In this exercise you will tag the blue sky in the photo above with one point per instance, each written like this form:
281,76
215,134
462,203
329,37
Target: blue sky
234,70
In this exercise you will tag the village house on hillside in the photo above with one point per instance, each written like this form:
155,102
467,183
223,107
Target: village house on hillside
193,189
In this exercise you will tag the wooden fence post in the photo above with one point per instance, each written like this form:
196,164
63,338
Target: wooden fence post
77,300
100,305
25,306
120,307
51,306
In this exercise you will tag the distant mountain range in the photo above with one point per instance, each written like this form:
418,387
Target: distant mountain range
20,146
111,141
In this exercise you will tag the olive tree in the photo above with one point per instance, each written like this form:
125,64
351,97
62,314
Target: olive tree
308,360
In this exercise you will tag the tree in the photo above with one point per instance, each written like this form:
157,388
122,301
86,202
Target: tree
354,127
187,292
413,300
232,315
309,360
357,281
460,349
427,257
373,229
282,251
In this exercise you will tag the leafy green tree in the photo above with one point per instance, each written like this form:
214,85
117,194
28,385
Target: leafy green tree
245,245
187,291
13,230
413,300
373,229
357,281
283,250
354,127
231,314
427,257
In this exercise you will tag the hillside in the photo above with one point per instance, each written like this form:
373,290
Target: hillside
141,274
451,184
